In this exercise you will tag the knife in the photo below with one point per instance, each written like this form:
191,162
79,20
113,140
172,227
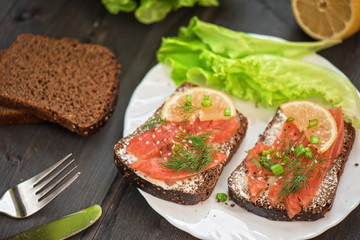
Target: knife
64,227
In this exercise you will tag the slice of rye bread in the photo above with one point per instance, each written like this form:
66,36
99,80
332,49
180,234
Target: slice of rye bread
187,192
318,207
62,81
15,116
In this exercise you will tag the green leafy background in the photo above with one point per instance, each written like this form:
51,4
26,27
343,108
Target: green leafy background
150,11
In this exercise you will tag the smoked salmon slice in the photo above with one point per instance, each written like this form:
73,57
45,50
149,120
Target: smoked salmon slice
153,168
154,147
293,201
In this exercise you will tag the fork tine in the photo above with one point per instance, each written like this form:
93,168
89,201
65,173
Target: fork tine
54,194
37,178
40,185
47,189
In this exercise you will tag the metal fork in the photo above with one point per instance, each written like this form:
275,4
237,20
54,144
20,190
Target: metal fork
33,194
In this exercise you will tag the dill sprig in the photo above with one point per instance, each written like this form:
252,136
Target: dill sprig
186,110
151,124
297,175
297,172
192,153
261,161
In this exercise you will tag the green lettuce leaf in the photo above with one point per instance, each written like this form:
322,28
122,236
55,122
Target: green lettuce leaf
234,44
265,71
150,11
116,6
271,80
183,3
208,3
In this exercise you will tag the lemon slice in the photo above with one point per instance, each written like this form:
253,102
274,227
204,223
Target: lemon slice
173,109
307,113
324,19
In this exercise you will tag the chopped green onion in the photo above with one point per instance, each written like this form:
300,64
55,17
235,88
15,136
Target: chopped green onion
268,152
277,154
277,169
313,123
300,151
177,147
308,153
285,160
314,140
222,197
265,162
206,103
188,100
227,112
264,153
290,119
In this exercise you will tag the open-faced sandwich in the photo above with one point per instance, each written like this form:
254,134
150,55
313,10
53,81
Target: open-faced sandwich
293,171
179,153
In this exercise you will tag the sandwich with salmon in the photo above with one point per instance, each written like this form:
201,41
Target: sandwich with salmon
294,169
179,153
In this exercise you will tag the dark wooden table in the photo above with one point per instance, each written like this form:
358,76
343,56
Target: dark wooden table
26,149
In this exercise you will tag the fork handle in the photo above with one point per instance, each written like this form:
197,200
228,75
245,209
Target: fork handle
6,205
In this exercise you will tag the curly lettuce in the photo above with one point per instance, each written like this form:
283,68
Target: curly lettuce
116,6
268,72
150,11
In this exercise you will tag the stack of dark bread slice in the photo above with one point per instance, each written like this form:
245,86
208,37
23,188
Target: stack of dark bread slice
15,116
59,80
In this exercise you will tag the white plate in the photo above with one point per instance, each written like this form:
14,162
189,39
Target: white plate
213,220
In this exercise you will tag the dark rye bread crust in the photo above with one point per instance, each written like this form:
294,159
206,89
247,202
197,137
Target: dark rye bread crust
210,177
14,116
60,80
316,211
